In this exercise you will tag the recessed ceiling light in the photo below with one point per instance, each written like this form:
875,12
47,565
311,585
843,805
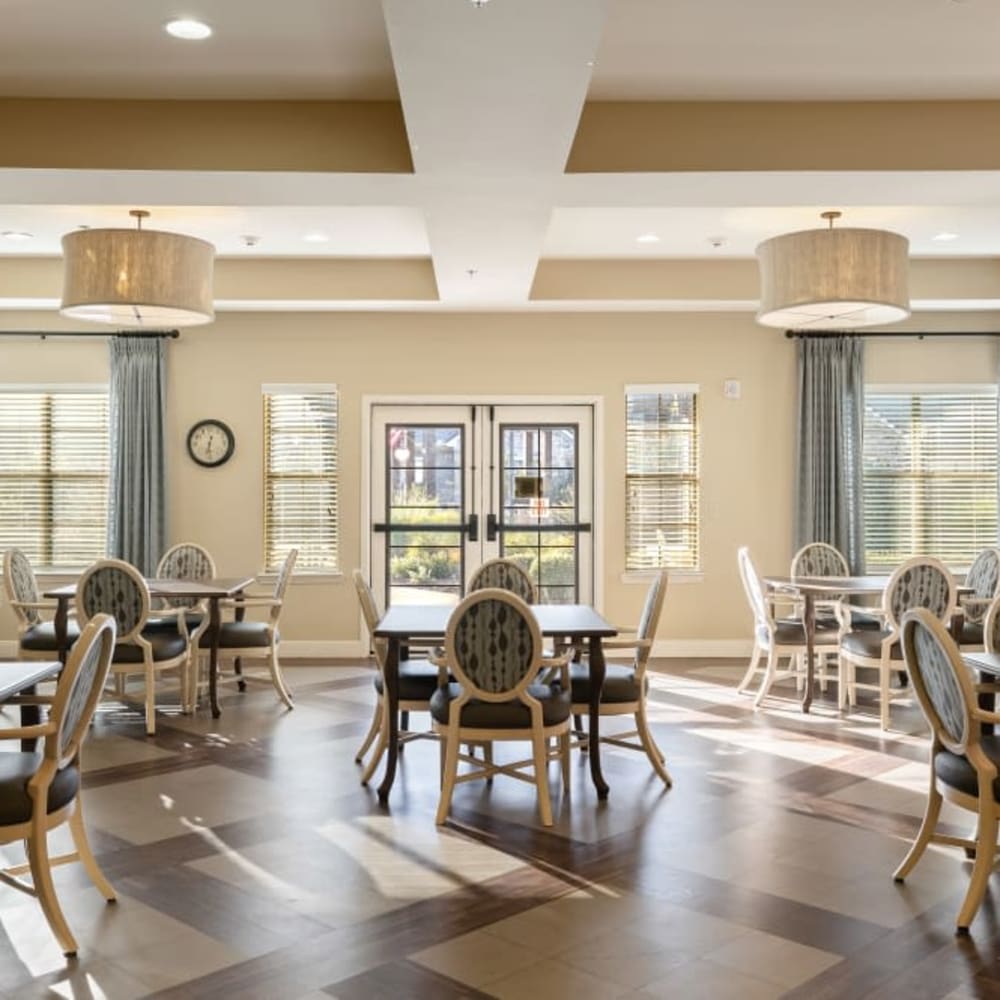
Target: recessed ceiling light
316,238
188,29
647,238
945,237
16,237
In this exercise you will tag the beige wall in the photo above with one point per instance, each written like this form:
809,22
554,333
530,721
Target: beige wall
746,444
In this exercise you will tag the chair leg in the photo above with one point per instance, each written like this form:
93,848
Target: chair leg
277,678
450,773
488,760
376,757
924,834
769,675
150,676
542,779
986,845
372,732
824,680
564,752
649,745
883,695
79,832
751,670
41,875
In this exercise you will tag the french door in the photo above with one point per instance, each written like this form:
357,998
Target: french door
454,485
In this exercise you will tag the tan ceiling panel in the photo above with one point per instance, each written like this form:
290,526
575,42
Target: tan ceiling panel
788,135
345,136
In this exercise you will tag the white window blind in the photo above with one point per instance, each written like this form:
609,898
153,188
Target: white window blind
930,474
300,476
661,480
54,475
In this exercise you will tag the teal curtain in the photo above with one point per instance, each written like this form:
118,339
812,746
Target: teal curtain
829,488
136,486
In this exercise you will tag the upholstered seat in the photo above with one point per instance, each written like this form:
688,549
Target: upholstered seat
192,620
620,684
791,632
164,645
16,770
418,680
556,708
972,634
868,642
956,771
41,637
239,635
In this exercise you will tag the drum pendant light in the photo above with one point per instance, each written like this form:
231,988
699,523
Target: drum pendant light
833,279
137,278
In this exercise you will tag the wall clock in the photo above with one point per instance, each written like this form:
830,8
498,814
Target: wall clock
211,442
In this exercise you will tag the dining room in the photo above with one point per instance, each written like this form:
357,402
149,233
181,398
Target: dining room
416,482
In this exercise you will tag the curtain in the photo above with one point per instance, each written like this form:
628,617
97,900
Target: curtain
829,493
136,487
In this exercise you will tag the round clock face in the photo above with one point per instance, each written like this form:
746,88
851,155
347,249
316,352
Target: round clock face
210,442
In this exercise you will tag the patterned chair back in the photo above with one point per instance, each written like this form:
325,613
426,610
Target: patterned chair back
494,644
185,561
649,620
922,582
285,574
991,628
20,585
369,609
984,579
763,620
505,574
114,587
80,685
819,559
941,680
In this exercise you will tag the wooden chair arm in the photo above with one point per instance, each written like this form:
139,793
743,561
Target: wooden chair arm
27,732
981,715
30,699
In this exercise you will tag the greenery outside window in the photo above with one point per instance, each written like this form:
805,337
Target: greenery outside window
300,476
54,474
662,485
930,473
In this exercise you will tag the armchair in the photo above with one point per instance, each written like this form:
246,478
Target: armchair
36,635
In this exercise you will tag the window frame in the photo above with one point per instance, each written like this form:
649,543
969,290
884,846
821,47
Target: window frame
50,567
693,573
316,573
912,389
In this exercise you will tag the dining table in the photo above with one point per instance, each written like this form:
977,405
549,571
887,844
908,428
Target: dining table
213,591
19,677
404,624
811,589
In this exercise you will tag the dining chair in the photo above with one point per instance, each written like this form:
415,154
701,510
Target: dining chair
256,640
921,582
189,615
505,574
983,585
823,559
115,587
776,637
42,790
963,762
626,686
36,634
493,648
418,680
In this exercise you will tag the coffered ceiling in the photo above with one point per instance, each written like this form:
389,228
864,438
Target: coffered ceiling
525,154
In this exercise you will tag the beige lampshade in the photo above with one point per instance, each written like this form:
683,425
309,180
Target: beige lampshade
138,278
833,279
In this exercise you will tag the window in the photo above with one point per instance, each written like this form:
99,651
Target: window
661,477
54,474
930,473
300,476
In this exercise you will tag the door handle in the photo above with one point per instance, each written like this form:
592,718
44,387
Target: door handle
491,527
473,528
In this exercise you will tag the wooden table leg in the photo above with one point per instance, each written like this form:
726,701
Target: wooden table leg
31,715
597,671
240,614
809,621
214,628
987,701
61,625
391,696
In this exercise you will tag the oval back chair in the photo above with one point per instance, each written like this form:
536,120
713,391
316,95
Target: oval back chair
983,579
505,574
36,635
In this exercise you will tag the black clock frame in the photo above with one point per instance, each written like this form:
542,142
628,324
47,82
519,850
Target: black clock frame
225,456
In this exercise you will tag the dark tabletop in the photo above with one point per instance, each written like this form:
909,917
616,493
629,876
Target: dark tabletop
430,621
223,586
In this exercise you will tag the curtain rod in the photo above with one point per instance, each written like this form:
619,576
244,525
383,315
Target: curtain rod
816,335
46,334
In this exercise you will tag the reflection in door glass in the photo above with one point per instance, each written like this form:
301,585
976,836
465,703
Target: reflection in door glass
538,493
426,509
